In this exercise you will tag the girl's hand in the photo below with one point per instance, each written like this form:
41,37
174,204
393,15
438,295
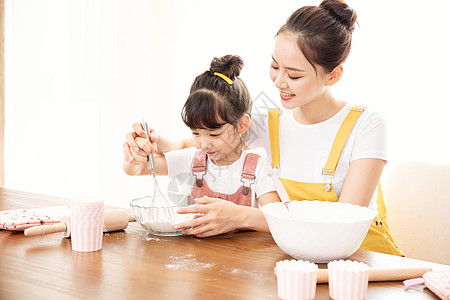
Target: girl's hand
215,216
137,146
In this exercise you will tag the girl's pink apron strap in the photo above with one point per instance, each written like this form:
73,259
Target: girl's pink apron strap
248,171
199,161
199,167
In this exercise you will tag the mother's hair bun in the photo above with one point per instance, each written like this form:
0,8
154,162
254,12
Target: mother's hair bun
341,12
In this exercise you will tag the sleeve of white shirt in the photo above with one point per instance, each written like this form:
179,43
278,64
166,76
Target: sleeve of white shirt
180,161
370,139
263,183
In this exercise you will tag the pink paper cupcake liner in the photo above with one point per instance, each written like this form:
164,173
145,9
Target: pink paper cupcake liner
86,238
296,279
86,219
348,279
86,211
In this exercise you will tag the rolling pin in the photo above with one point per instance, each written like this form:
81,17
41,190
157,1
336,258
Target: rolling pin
383,274
114,219
380,274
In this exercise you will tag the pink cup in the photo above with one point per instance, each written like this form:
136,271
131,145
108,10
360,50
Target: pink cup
86,224
296,279
348,279
87,238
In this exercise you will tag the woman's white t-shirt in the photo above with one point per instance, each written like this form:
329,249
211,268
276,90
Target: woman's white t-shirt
304,149
221,179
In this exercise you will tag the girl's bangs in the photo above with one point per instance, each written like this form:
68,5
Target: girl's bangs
204,110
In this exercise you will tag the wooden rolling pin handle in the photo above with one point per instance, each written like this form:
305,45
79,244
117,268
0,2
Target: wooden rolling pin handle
45,229
114,219
396,274
382,274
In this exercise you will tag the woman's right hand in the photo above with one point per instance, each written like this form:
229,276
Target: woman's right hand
137,146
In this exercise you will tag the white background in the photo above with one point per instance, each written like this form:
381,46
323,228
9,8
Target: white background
78,73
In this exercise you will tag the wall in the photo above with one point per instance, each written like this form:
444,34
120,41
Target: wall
80,72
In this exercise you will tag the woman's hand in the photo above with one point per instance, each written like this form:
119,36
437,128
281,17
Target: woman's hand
137,146
215,216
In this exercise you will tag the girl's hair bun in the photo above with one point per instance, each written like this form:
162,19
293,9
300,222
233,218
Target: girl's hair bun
341,12
229,65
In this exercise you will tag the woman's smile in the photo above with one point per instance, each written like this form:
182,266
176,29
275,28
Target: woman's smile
286,96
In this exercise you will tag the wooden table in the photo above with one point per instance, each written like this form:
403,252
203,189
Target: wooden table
132,265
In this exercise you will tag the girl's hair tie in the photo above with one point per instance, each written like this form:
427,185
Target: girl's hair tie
228,80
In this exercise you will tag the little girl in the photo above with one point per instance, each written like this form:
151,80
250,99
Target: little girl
218,113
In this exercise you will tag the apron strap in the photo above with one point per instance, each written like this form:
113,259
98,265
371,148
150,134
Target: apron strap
341,138
336,149
249,168
248,176
199,167
274,125
199,161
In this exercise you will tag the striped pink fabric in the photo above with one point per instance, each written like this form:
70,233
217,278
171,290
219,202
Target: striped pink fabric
86,225
439,283
296,279
348,280
87,238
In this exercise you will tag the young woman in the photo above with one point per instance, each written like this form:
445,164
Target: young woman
219,173
325,149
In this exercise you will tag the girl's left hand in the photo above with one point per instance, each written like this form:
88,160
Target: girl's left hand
215,216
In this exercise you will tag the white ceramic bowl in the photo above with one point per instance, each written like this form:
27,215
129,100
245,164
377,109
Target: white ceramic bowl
158,218
318,231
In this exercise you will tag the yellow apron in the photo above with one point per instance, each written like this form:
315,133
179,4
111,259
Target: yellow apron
378,238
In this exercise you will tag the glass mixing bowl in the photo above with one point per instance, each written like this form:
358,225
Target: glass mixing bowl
158,217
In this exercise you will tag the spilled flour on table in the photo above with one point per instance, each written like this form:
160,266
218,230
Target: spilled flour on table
150,237
191,263
120,233
247,274
187,261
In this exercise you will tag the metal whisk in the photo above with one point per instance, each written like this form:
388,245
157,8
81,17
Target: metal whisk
166,206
